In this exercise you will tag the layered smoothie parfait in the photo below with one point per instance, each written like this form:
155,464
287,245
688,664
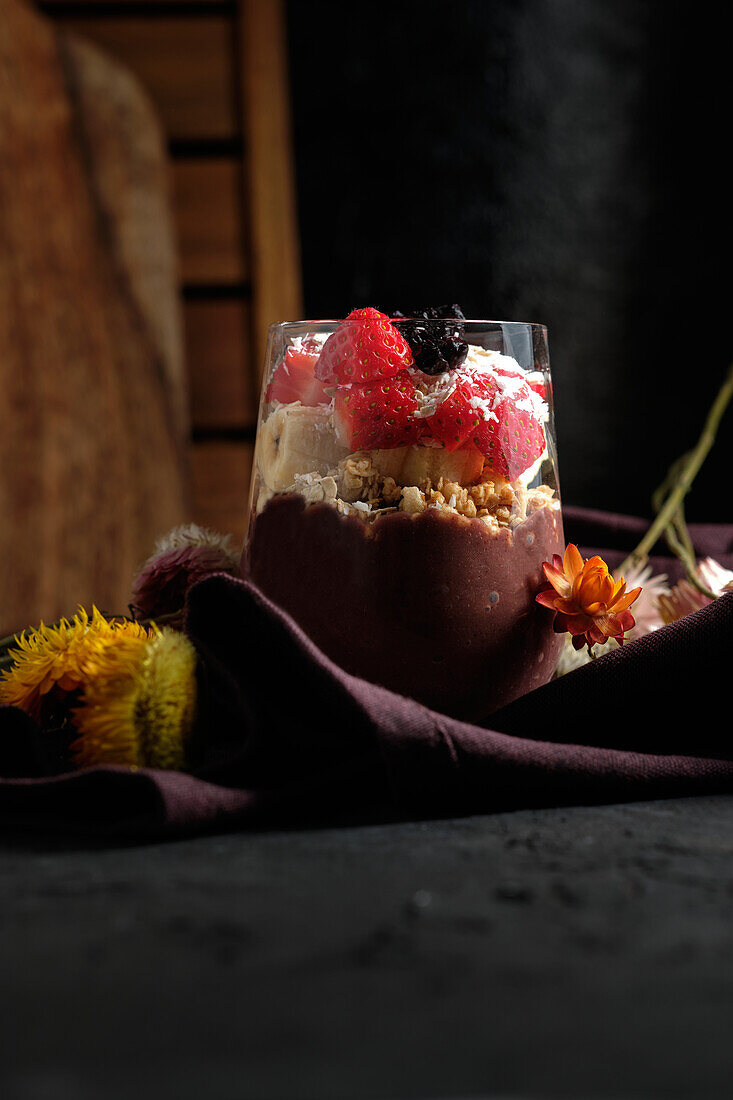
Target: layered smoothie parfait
404,498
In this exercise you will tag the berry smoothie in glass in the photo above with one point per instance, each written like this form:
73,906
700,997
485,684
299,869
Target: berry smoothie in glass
404,497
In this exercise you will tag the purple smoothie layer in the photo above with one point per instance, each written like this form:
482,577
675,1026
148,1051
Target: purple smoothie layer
432,605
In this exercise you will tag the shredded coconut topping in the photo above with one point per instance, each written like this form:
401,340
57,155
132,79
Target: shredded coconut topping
511,382
432,391
311,338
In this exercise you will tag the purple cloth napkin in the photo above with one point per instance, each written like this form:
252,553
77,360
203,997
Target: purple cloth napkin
285,737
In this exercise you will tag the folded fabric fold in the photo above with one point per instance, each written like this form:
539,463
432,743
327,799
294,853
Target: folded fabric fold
286,737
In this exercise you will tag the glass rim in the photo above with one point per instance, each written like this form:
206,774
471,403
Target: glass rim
535,325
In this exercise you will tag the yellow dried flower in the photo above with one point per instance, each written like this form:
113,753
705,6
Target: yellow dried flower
138,704
54,658
105,719
167,701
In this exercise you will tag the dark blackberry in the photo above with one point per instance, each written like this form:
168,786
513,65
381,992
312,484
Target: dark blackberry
438,346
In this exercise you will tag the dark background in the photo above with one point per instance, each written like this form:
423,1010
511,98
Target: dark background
546,160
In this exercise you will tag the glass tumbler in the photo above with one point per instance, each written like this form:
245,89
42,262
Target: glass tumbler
404,498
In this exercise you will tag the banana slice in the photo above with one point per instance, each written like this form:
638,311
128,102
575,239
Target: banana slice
413,465
390,462
296,439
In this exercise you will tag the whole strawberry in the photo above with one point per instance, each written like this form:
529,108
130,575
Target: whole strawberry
366,347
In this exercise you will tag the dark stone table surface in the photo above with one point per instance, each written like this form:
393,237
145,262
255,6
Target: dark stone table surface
572,952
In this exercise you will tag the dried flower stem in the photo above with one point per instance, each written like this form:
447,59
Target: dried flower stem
669,497
677,534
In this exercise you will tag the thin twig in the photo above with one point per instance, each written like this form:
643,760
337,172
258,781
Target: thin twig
688,469
677,534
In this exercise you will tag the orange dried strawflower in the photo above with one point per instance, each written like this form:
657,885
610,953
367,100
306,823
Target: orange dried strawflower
587,602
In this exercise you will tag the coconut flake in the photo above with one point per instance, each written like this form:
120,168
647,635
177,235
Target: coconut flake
511,381
431,390
316,338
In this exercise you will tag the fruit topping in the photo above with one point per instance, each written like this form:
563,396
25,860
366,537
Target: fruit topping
439,345
294,379
475,403
366,313
378,414
460,414
296,439
415,465
366,347
499,413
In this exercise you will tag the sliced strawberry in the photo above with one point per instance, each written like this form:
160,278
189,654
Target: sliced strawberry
516,439
512,445
497,412
460,415
294,379
364,348
377,414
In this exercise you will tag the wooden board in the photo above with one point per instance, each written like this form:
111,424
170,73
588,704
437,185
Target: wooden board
186,64
212,77
91,393
140,5
274,245
221,473
217,352
207,198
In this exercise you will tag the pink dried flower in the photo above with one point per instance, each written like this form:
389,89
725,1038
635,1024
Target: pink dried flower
714,576
684,598
184,556
647,615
